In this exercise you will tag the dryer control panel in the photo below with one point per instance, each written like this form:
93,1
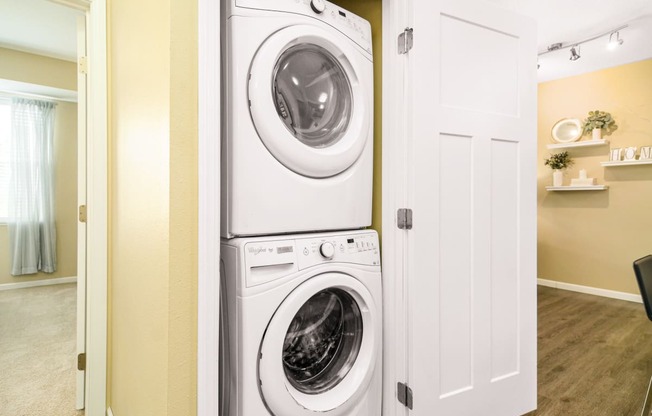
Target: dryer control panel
353,26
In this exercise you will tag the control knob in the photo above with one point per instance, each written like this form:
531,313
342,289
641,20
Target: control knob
327,250
318,6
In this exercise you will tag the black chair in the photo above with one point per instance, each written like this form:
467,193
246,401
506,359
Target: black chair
643,270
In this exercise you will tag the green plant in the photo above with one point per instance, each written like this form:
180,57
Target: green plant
599,120
559,161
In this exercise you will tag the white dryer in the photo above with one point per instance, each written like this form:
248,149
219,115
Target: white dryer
297,145
301,330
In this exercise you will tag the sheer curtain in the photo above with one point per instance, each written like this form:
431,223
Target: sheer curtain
32,234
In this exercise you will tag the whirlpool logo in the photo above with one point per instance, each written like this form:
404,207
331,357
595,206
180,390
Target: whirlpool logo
256,250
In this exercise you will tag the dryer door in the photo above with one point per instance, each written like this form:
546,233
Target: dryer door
320,347
307,100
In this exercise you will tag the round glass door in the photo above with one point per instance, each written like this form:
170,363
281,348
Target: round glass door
322,341
312,95
320,348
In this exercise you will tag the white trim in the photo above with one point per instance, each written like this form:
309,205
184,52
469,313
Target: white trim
109,412
630,297
208,284
81,5
97,202
394,174
36,283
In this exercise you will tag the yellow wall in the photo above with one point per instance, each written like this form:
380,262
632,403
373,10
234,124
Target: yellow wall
34,69
153,209
591,238
372,11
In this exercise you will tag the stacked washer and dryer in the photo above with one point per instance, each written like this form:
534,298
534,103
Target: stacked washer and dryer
301,312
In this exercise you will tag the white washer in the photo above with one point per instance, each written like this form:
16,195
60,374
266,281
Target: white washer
297,143
302,325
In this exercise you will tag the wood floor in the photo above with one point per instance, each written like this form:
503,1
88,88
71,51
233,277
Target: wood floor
595,355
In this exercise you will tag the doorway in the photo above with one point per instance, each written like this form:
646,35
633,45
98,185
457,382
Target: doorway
92,318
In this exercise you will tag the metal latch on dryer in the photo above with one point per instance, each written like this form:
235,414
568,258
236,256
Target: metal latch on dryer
405,41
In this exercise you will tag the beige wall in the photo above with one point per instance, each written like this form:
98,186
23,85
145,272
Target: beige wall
34,69
153,207
591,238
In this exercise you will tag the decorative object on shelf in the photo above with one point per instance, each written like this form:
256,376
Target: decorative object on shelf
630,153
583,180
646,153
597,122
567,130
557,162
615,154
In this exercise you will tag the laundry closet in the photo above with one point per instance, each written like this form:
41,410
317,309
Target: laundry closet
454,200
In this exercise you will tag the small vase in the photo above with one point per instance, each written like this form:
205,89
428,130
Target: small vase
597,134
557,177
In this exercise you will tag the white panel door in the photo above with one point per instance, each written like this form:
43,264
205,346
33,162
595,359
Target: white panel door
80,401
471,263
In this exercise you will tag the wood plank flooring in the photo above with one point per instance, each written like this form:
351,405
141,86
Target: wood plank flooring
595,355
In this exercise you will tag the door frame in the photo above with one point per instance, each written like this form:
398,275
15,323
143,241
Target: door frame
395,165
208,261
97,203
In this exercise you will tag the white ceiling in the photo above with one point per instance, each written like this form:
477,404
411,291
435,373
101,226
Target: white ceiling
572,21
39,26
43,27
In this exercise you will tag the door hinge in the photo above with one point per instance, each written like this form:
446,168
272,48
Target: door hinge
83,65
405,41
404,219
82,213
81,361
404,394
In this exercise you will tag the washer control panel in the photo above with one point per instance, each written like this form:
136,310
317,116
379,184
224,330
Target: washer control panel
269,258
355,248
353,26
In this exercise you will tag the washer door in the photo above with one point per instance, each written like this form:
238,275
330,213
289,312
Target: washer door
320,347
306,101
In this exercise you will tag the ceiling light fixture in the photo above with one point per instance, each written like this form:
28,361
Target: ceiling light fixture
614,41
575,54
614,36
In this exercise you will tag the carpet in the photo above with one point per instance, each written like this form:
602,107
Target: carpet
38,351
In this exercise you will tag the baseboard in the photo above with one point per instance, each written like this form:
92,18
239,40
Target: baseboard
591,290
34,283
109,412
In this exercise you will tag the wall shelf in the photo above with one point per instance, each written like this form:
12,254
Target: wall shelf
626,162
586,143
578,188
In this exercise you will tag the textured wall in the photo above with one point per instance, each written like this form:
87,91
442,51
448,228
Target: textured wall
153,209
591,238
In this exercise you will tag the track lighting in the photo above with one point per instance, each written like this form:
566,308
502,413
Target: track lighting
614,41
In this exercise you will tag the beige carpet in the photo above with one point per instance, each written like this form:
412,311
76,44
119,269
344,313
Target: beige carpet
37,351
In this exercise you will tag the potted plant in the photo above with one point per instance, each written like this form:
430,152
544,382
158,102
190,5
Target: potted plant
557,163
596,122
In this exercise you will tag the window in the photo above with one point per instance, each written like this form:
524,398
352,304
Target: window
5,134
